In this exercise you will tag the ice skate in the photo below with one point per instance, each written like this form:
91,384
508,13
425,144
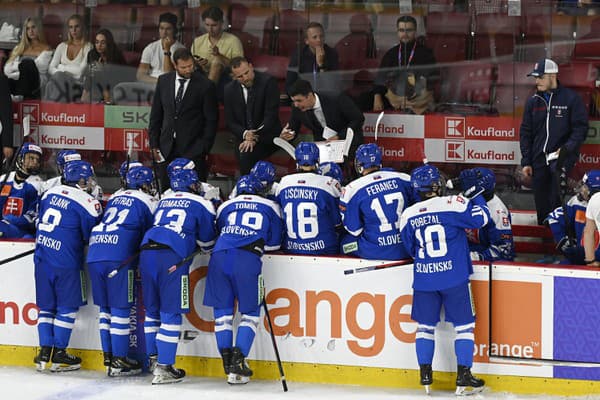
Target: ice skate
42,358
152,361
226,355
164,374
124,366
106,358
239,372
426,377
63,361
466,383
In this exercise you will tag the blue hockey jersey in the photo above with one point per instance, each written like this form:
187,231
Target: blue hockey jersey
19,203
249,220
434,234
371,207
181,221
128,216
67,216
495,240
310,204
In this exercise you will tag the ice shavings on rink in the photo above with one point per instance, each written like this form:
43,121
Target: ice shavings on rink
27,384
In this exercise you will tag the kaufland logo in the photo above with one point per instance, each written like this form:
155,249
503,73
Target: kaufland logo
133,139
33,110
455,127
455,150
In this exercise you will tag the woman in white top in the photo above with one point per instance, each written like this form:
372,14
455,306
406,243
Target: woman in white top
27,66
68,64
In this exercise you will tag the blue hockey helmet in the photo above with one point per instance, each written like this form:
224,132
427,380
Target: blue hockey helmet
128,165
478,176
332,170
29,166
179,163
65,156
249,184
79,174
368,155
426,179
590,184
264,171
307,154
138,177
185,180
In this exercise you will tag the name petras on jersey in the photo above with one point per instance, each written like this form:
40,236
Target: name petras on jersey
310,204
434,234
67,216
371,207
249,221
495,240
128,216
182,220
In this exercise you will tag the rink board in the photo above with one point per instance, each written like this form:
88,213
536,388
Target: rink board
356,328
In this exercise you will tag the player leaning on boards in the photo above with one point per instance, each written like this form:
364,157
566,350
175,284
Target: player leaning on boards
433,231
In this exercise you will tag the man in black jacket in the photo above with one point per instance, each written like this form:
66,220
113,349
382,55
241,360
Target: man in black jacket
554,126
183,118
252,113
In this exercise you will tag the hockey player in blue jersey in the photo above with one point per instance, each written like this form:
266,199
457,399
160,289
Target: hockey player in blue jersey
493,242
182,220
125,167
265,172
128,215
332,170
310,204
67,215
570,244
433,231
209,192
249,225
62,158
371,207
20,195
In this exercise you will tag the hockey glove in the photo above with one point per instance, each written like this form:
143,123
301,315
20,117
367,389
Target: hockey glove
473,192
475,256
567,246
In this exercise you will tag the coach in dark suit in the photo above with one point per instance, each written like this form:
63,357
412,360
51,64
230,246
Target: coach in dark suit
316,111
252,113
184,115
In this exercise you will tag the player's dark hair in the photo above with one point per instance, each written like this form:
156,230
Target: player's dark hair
301,87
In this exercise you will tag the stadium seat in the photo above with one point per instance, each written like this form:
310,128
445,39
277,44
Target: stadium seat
448,35
257,23
510,100
588,45
275,66
289,31
339,23
581,76
535,37
146,24
357,45
495,36
54,20
118,19
15,13
192,25
562,37
467,88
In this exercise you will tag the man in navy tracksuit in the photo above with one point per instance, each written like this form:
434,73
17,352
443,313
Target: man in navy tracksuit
555,124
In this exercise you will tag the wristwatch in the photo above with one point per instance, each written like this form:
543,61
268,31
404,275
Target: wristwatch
167,53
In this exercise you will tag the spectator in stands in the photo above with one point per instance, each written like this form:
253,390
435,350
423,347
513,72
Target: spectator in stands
102,72
328,115
6,122
568,227
69,63
252,113
578,7
27,66
214,50
406,74
555,124
313,59
157,56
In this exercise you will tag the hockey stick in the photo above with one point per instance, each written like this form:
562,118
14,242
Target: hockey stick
348,141
123,264
379,118
154,172
285,145
543,361
377,267
20,255
281,373
174,267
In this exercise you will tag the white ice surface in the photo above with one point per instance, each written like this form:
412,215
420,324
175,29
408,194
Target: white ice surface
25,383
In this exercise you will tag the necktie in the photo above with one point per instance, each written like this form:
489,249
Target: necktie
317,128
249,107
179,95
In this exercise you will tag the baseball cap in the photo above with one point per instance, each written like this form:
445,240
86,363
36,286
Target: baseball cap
544,66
